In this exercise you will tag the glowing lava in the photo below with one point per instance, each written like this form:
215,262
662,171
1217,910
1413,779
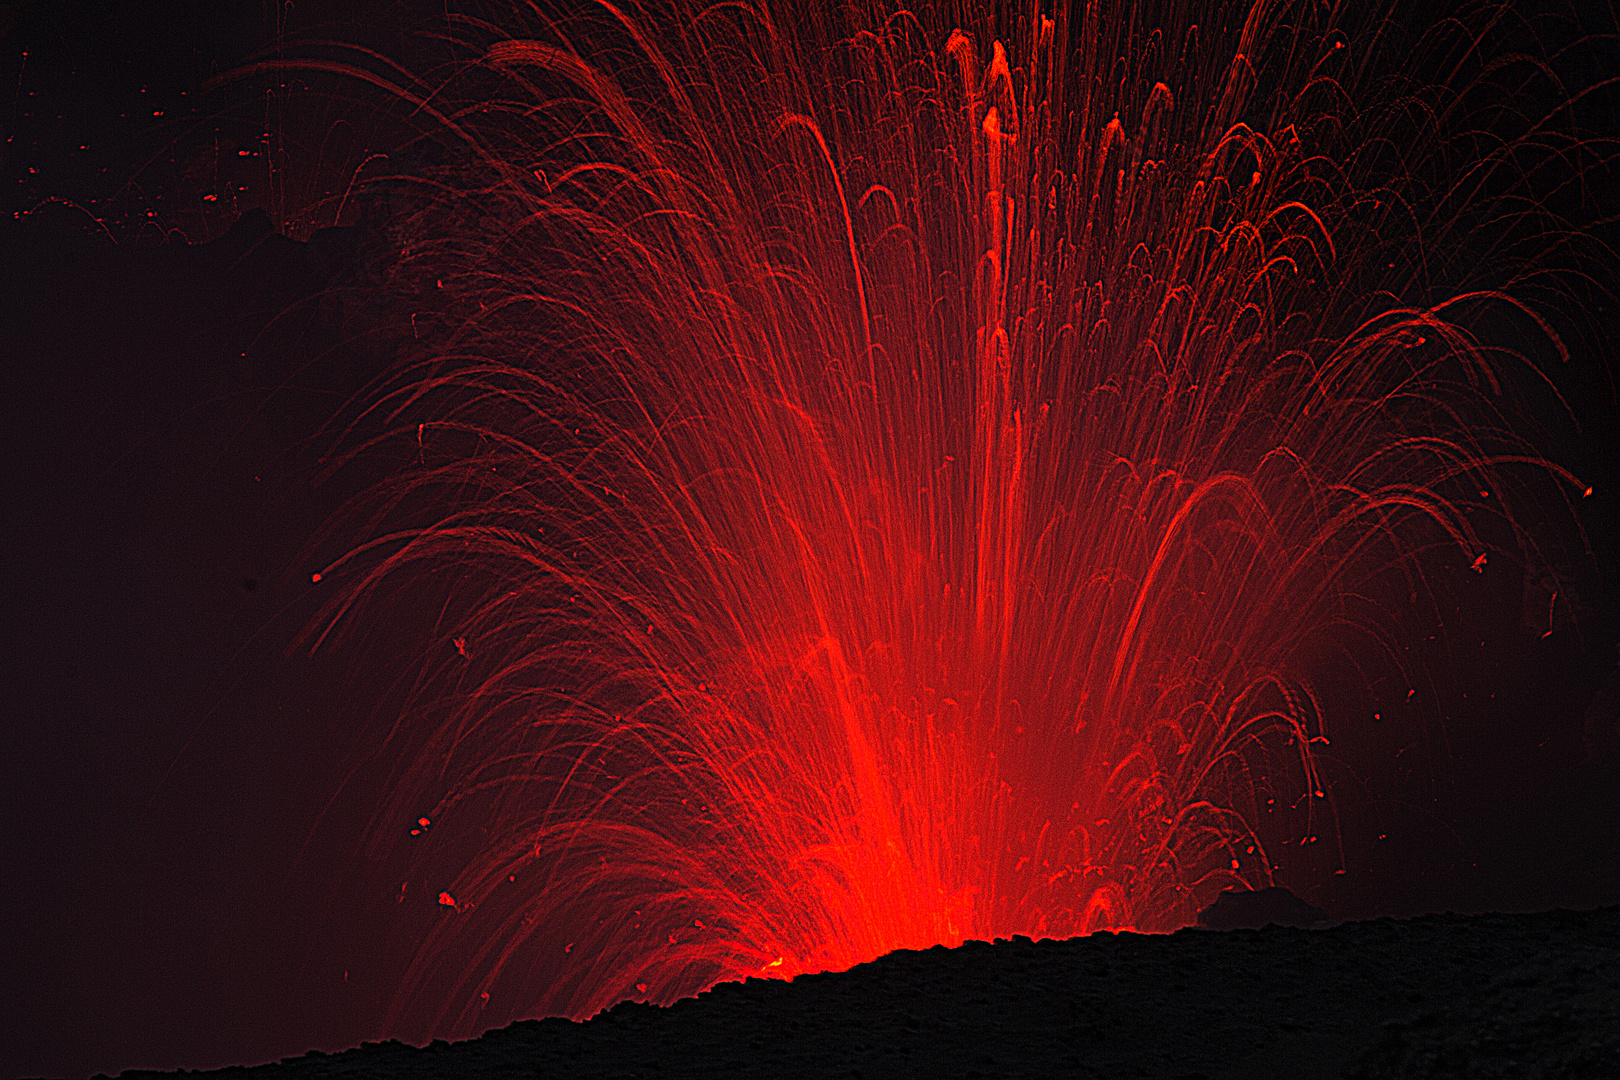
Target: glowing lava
885,488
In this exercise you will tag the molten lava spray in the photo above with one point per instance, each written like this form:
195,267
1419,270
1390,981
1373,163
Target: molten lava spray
885,484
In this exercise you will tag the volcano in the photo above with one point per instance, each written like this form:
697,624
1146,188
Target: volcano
1440,996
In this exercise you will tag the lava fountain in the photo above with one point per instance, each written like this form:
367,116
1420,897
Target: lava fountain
893,481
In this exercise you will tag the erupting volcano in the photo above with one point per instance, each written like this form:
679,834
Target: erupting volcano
896,478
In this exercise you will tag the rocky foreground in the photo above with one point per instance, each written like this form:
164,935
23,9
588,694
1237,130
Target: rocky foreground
1439,996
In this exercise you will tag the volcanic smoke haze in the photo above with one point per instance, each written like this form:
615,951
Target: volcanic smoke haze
746,491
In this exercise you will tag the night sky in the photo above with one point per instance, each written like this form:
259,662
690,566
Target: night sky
180,322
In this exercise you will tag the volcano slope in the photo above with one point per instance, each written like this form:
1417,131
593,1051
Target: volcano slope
1438,996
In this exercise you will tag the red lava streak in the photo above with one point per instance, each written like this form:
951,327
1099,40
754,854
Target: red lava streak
901,484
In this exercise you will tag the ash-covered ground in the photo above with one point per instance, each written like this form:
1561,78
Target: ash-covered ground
1439,996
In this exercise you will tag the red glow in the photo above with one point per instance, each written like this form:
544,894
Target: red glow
901,489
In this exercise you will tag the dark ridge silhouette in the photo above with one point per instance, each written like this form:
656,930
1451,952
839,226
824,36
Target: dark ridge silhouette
1438,996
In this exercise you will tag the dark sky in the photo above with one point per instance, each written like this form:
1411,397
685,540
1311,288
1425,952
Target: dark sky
184,888
165,761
